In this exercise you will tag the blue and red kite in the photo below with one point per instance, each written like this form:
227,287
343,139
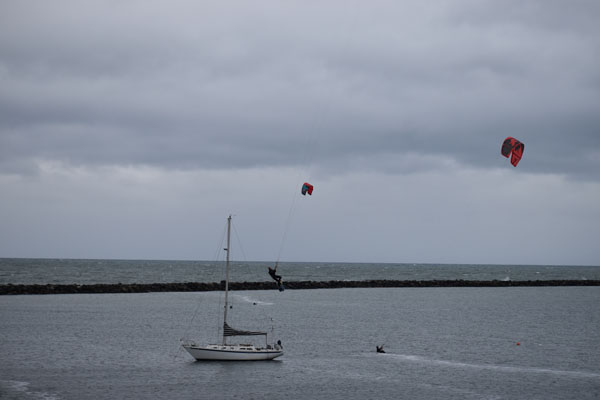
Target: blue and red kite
516,147
307,188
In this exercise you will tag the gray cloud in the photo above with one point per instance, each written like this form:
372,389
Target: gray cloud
130,129
197,85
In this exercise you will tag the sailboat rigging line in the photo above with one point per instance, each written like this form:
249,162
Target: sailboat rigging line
191,322
239,243
217,259
220,248
233,300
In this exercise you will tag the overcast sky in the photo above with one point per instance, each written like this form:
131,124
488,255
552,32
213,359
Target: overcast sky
131,129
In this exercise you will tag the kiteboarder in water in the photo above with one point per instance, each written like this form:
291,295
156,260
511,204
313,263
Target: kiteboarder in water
276,278
380,349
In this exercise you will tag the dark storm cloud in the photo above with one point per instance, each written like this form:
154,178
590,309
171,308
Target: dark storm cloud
244,85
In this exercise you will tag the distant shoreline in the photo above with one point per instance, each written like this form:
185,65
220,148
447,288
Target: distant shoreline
20,289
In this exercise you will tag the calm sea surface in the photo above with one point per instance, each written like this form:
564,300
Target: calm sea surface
441,343
56,271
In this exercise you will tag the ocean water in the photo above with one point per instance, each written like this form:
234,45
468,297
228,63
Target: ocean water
57,271
441,343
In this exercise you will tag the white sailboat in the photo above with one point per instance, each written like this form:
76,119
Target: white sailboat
233,352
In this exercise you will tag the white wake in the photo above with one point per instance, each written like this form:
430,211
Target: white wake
494,367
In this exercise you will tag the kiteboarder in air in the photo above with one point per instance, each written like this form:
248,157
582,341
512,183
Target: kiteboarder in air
276,278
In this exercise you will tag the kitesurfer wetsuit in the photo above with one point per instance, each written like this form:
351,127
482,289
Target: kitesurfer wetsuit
276,278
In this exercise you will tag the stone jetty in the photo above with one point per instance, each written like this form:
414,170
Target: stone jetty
17,289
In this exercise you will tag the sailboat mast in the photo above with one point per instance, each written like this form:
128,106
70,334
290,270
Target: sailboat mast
227,277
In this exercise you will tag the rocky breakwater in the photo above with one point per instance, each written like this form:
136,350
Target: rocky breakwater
12,289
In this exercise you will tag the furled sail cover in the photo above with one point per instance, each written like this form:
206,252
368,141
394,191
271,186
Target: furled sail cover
516,147
229,331
307,188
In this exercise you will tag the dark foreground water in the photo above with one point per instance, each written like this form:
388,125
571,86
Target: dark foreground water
442,343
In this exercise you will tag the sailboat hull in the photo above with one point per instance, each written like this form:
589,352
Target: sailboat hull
231,352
